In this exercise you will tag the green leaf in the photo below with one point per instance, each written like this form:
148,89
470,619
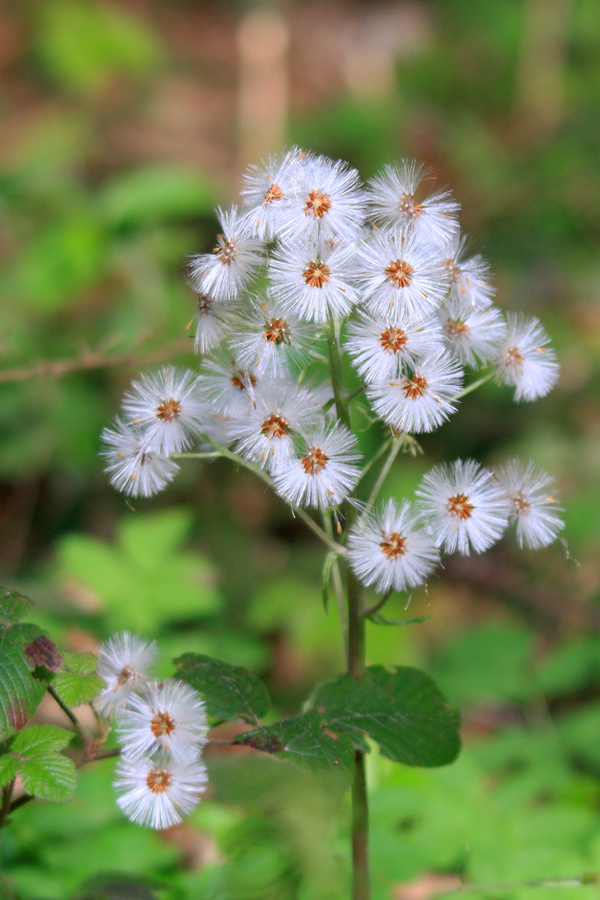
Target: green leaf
145,565
20,693
83,46
13,606
9,767
401,709
81,663
230,692
307,739
78,682
45,771
155,193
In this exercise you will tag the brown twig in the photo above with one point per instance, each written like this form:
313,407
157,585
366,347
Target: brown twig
91,359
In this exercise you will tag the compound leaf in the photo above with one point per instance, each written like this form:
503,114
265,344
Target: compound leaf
78,682
45,771
20,693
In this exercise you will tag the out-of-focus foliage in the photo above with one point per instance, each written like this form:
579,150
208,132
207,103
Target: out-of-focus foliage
95,225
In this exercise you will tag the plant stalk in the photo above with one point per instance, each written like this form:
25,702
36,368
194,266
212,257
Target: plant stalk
361,886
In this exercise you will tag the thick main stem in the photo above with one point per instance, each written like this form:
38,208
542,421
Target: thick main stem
361,888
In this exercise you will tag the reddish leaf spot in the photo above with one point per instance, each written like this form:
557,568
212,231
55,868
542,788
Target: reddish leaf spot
331,734
43,652
269,743
17,714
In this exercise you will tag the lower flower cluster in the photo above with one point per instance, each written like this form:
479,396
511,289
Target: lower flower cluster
161,727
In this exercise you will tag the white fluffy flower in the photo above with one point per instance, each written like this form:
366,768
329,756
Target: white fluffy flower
464,506
325,470
391,550
397,271
313,280
167,407
264,433
124,663
470,286
269,341
327,202
268,190
533,503
226,386
133,468
381,347
392,202
158,791
422,399
169,717
472,336
525,361
212,321
235,260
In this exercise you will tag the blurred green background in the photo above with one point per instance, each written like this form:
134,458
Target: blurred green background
123,125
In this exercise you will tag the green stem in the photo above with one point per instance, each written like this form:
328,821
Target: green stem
83,734
337,375
338,588
7,792
361,888
371,610
260,473
376,457
568,881
356,661
474,385
397,443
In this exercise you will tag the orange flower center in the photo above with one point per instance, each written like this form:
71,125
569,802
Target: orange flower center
277,331
460,506
512,357
275,427
316,275
414,387
158,780
274,193
225,251
520,503
393,339
169,410
318,204
455,328
162,723
393,546
315,462
399,273
408,206
240,379
124,675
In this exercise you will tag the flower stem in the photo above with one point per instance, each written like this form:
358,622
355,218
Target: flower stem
397,443
475,384
298,511
361,889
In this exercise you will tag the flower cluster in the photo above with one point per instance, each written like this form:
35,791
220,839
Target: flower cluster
161,728
313,265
